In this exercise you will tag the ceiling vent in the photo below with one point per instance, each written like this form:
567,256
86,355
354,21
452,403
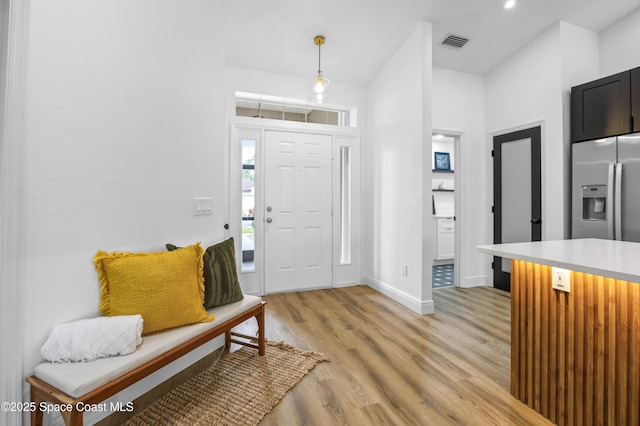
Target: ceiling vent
452,40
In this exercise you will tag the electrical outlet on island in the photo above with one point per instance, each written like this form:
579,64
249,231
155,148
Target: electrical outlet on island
561,279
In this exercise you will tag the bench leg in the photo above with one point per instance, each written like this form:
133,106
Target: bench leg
36,416
42,392
260,320
73,418
227,339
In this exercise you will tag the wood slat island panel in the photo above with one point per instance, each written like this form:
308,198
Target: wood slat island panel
575,357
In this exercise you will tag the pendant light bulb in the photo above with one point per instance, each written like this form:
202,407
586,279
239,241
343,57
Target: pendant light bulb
319,87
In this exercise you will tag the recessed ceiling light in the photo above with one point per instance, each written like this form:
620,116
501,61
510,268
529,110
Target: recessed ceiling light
509,4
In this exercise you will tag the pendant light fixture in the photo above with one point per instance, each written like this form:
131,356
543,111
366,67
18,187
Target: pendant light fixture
321,90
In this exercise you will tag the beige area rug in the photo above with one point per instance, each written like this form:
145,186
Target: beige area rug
240,389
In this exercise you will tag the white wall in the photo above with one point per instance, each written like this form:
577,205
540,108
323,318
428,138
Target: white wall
397,176
125,126
458,106
522,92
534,86
619,45
580,64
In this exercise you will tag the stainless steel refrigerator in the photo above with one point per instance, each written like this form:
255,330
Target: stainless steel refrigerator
606,188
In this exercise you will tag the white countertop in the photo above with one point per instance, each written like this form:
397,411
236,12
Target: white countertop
615,259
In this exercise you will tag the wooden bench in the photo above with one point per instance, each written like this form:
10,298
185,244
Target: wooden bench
76,387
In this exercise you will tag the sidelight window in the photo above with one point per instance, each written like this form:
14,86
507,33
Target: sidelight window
248,203
345,204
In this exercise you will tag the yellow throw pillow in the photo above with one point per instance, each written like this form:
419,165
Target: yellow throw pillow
166,288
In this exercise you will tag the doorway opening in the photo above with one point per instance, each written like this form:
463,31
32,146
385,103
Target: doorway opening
445,205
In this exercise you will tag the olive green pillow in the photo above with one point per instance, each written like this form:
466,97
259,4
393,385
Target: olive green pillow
221,285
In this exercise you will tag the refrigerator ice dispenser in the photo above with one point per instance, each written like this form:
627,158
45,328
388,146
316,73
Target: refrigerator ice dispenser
594,202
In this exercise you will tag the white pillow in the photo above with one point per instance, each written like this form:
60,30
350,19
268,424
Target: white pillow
90,339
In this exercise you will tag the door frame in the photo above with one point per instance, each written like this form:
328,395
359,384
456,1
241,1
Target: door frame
459,211
344,274
501,279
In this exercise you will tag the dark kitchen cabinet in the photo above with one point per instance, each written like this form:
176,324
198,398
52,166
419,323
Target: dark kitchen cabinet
602,108
635,98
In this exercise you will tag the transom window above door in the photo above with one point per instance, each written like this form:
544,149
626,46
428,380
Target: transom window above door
258,106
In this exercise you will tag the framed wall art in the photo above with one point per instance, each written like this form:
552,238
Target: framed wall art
441,161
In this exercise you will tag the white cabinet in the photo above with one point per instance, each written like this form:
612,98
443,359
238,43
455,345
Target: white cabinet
445,238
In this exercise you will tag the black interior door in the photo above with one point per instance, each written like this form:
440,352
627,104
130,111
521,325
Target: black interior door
516,195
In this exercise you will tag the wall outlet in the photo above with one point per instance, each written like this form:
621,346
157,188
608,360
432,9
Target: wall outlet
403,269
561,279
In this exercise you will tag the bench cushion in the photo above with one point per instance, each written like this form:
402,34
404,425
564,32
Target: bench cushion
77,379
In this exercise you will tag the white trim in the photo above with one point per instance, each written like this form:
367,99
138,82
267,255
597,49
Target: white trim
478,281
460,213
421,307
345,284
278,100
267,124
15,41
350,271
253,281
529,125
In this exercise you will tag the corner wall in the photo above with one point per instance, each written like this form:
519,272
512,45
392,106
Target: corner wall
523,92
397,175
619,45
125,126
458,105
533,86
580,56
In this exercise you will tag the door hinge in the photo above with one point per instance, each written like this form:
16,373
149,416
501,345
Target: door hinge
493,265
493,209
492,153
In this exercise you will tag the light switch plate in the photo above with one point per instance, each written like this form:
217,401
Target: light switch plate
202,206
561,279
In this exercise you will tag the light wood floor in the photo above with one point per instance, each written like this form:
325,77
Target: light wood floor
391,366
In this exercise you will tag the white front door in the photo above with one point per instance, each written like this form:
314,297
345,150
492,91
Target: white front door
298,211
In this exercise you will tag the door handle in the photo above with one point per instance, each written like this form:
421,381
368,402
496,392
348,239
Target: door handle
536,221
269,220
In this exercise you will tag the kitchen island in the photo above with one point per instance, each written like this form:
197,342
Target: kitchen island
575,355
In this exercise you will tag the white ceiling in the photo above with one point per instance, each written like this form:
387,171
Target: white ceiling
276,36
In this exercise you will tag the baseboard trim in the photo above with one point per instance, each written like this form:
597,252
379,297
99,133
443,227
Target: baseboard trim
345,284
478,281
421,307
